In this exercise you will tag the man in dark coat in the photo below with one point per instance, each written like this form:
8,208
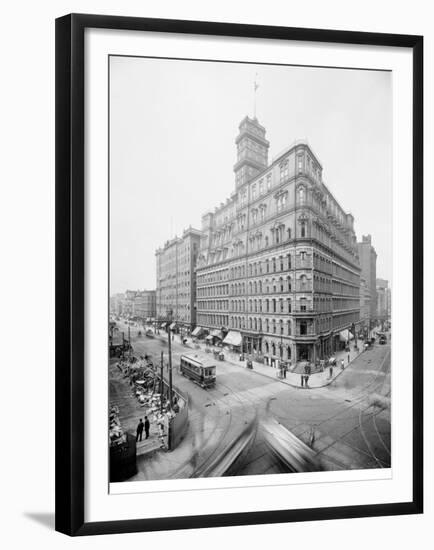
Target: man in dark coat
147,426
139,431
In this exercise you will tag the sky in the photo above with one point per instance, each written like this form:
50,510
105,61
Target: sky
173,125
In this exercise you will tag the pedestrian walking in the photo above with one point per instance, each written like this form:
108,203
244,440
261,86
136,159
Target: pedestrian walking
331,371
302,380
139,431
306,381
284,371
348,358
342,364
147,426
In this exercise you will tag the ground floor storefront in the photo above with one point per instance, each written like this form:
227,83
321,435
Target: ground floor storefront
271,349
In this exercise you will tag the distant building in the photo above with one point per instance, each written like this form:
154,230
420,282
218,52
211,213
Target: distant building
383,299
176,279
144,305
365,305
116,303
368,264
278,266
136,303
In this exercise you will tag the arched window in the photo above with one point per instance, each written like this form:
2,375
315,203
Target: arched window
267,347
302,195
289,327
267,305
256,324
274,305
288,280
273,348
281,284
288,303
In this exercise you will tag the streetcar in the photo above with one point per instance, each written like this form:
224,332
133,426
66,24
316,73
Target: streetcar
201,371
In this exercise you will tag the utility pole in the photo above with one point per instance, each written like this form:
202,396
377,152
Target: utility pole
170,357
129,343
161,382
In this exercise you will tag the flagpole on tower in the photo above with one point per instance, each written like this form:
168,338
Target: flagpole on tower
255,87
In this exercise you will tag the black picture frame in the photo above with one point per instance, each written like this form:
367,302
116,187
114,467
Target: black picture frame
70,265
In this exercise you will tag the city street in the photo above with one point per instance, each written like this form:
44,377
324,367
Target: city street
347,422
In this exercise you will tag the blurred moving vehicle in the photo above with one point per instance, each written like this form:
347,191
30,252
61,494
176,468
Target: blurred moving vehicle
290,450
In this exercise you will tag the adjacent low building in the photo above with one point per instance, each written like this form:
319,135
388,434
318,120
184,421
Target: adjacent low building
278,271
176,281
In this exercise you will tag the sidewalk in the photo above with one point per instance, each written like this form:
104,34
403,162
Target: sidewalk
316,380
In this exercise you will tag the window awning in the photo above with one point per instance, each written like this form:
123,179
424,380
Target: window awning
345,335
233,338
197,331
172,326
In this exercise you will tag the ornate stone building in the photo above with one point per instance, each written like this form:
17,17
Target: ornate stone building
278,261
176,282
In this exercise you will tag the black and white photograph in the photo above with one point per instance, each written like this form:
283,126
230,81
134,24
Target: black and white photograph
250,269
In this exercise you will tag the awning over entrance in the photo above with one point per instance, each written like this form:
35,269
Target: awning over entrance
172,326
233,338
216,334
197,331
345,335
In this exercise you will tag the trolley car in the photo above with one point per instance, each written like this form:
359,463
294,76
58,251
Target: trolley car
201,371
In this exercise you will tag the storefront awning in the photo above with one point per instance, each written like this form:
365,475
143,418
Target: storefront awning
197,331
172,326
209,337
163,325
216,334
345,335
233,338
